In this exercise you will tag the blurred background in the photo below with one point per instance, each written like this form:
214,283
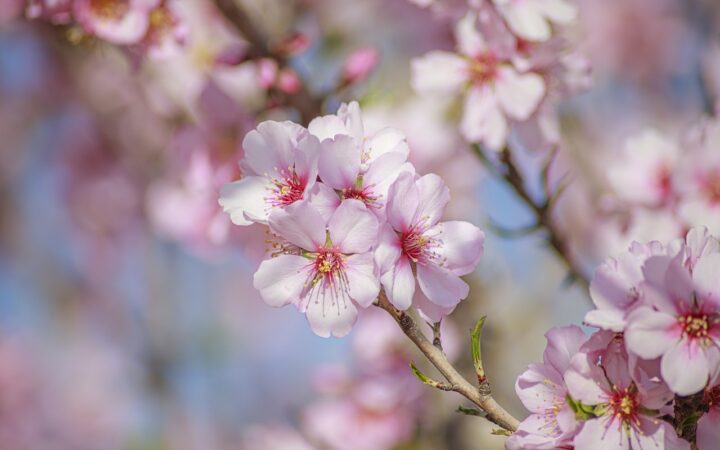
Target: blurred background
127,314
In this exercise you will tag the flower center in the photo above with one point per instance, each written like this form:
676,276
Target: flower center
483,68
364,194
624,405
420,247
328,267
110,9
287,189
695,326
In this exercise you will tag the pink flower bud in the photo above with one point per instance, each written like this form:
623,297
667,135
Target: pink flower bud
288,81
267,72
359,64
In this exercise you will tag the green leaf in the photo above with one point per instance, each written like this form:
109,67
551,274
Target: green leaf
475,346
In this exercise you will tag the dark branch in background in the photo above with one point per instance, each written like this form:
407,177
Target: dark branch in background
542,211
479,395
307,105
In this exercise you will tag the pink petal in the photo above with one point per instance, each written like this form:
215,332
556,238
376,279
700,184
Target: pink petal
562,344
327,127
399,284
270,147
519,94
650,333
434,196
525,20
606,319
330,314
706,277
362,281
281,280
352,227
469,40
708,430
441,286
559,11
462,245
307,160
387,140
299,223
383,171
324,199
388,248
429,311
483,120
245,200
339,164
439,72
599,434
685,368
539,388
402,202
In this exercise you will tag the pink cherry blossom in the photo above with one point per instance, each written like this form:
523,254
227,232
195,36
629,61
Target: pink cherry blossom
54,11
166,33
325,268
117,21
698,182
355,166
495,90
623,406
414,243
615,287
280,169
533,19
360,64
644,174
679,321
542,390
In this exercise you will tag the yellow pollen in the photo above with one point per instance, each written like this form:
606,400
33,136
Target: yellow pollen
325,267
626,405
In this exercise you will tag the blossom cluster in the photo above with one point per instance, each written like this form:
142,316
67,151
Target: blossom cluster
512,64
148,25
346,214
651,370
674,179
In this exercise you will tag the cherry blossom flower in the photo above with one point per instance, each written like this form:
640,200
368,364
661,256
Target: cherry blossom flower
644,175
533,19
414,241
495,90
541,388
166,33
117,21
356,166
698,182
54,11
360,64
325,267
615,287
281,168
679,321
621,407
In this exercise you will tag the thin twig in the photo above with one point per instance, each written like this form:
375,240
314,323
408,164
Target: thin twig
541,210
307,105
494,412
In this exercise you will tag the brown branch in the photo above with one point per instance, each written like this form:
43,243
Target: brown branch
307,105
457,383
541,210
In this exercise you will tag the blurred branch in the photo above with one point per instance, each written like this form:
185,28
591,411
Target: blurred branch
308,105
542,211
457,383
